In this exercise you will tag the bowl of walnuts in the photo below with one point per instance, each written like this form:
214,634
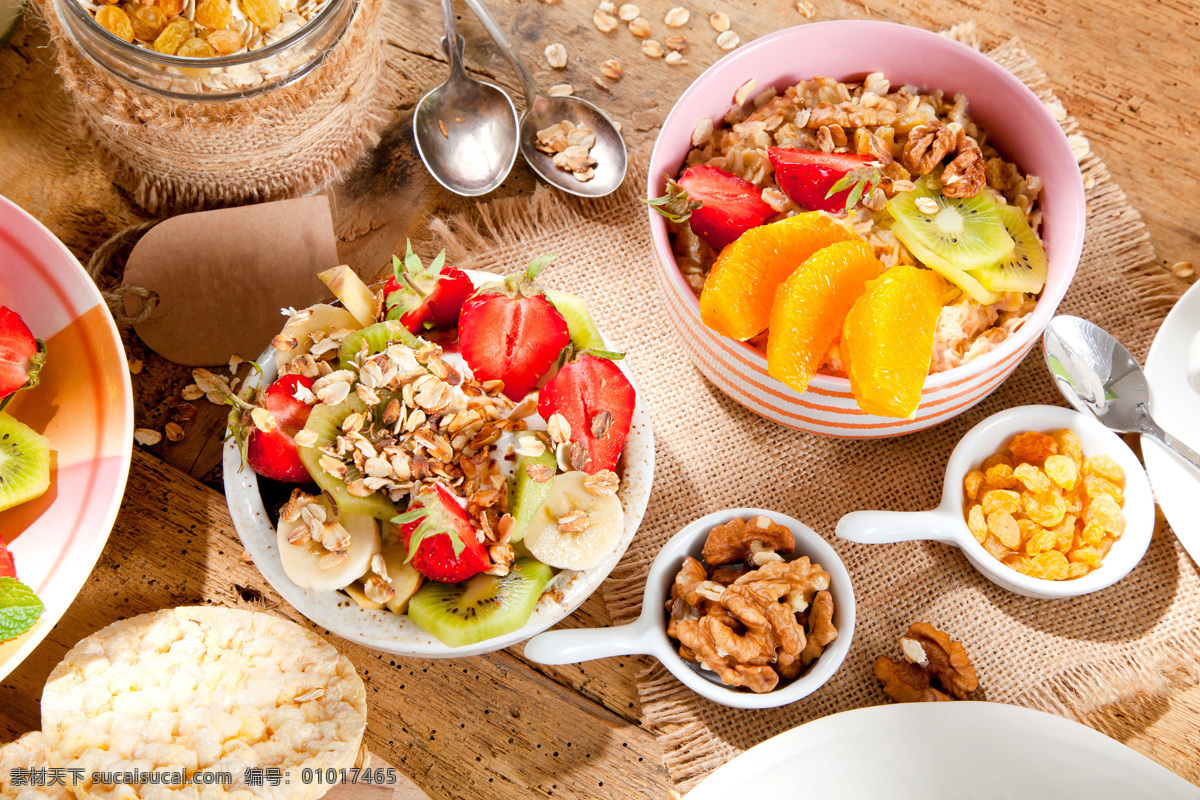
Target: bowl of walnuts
748,608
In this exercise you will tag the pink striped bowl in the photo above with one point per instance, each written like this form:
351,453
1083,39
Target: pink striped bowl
1019,125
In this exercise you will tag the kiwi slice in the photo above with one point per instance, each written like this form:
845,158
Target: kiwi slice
958,277
1022,270
582,328
24,463
327,422
377,337
525,495
484,607
965,231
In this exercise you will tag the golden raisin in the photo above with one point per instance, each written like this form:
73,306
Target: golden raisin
196,48
1001,500
1044,508
176,33
1005,529
1092,534
1063,471
1033,478
116,22
1028,528
148,22
1041,541
1077,571
971,484
1105,467
1065,534
1105,512
1094,486
213,14
1086,555
1033,446
224,42
1001,475
263,13
172,8
994,548
1069,446
1050,565
998,458
976,523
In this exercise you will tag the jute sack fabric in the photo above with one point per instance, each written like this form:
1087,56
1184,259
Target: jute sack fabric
174,156
1133,640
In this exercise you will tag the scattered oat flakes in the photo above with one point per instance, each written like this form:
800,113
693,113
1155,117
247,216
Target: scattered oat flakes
1089,180
601,84
674,58
442,128
602,484
235,361
719,22
556,55
147,437
174,431
702,133
640,28
1079,146
1183,269
728,40
604,21
573,522
608,7
807,9
677,17
676,43
135,366
743,92
192,392
1056,110
611,69
628,12
776,199
927,205
559,429
561,90
652,48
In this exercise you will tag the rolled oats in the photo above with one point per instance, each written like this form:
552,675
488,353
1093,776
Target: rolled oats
807,9
561,90
556,55
676,43
728,40
652,48
611,69
604,21
674,58
147,437
719,21
677,17
640,27
628,12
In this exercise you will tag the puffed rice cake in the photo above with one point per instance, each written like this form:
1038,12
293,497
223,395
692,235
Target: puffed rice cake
212,689
29,753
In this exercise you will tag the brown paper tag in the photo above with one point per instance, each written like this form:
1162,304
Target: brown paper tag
222,277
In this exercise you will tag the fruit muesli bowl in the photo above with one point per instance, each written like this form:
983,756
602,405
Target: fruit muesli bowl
398,493
853,210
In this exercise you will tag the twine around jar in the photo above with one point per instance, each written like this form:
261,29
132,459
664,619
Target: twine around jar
115,295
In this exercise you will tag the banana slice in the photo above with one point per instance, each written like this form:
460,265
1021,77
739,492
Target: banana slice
311,566
404,579
321,318
574,529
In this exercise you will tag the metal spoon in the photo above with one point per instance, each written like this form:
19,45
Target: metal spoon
543,111
1096,373
465,130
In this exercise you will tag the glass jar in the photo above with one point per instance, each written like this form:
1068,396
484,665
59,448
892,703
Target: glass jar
285,56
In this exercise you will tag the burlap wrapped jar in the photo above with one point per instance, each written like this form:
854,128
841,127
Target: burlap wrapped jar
271,123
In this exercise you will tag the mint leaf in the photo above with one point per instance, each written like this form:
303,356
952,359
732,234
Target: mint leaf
19,608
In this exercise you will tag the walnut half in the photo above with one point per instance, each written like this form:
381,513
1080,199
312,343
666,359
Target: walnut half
739,541
934,668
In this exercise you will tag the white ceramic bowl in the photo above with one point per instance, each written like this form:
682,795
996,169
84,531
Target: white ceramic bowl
946,522
83,405
648,634
1018,124
390,633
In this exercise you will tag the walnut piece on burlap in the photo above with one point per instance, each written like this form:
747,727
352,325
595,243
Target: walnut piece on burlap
174,155
1070,657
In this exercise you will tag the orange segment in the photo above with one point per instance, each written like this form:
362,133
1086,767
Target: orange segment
887,341
810,306
737,295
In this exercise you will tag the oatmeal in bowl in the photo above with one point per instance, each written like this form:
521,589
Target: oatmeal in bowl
862,252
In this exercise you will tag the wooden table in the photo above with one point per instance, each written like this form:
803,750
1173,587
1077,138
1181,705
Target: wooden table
498,724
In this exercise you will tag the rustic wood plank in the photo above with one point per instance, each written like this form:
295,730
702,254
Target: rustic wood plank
461,728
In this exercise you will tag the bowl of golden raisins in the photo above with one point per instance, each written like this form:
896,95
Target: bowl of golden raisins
1044,501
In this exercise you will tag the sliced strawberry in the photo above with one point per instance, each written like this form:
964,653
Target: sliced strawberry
21,355
806,176
597,400
441,541
274,453
719,205
425,297
8,569
511,332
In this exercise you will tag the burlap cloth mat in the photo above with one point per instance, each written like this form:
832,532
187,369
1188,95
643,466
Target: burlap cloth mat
1135,639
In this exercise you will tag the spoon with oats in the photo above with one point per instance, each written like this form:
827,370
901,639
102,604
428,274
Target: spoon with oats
569,142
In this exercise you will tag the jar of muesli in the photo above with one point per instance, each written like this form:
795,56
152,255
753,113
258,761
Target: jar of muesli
196,104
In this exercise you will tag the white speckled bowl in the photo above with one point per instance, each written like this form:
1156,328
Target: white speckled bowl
389,633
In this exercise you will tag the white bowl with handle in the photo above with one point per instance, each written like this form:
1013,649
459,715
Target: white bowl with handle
648,634
947,523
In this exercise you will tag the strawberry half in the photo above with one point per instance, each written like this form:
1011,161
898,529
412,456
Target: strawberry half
806,176
425,297
596,398
269,444
21,355
441,541
719,205
511,332
8,569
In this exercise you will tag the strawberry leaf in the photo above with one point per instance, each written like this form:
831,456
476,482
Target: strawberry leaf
863,180
19,608
535,267
610,355
675,205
